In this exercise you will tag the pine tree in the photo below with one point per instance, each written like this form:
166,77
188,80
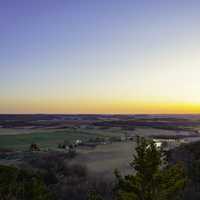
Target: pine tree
153,178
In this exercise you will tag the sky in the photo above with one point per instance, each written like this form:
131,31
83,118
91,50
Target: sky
99,56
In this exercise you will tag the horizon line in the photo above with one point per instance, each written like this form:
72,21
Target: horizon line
99,114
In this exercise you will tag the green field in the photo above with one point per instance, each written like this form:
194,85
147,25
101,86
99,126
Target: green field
21,139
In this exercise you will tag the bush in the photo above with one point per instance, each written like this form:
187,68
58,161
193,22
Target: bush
22,184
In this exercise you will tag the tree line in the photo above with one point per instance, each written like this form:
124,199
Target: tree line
153,178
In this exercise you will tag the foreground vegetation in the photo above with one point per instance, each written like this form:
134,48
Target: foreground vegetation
154,179
22,184
53,178
189,155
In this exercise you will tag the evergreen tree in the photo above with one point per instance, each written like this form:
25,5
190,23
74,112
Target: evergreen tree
153,178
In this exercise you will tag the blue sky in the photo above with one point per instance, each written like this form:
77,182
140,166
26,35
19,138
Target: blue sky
105,56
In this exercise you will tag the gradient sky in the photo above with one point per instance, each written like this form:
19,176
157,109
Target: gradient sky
99,56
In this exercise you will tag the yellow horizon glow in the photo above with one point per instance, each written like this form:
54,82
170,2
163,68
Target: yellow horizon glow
100,107
139,59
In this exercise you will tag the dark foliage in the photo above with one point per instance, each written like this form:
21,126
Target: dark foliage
69,181
153,179
18,184
189,155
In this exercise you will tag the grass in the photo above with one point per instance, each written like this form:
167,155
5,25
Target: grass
43,139
46,138
20,139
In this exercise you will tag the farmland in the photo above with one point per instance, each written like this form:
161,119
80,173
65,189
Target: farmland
107,141
21,139
17,132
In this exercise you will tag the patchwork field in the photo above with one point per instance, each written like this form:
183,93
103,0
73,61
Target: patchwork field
107,140
18,132
20,139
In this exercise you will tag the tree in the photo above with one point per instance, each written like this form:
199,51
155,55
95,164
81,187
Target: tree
153,178
18,184
94,196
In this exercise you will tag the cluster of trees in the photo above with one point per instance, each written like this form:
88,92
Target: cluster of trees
18,184
152,179
189,155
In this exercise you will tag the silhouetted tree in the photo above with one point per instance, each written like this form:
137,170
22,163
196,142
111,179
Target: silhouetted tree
153,178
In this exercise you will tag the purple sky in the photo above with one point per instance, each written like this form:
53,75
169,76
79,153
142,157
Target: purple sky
64,53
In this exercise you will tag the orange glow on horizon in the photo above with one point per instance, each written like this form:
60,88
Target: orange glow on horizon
100,107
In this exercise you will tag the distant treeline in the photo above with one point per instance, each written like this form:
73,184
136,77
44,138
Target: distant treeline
168,125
